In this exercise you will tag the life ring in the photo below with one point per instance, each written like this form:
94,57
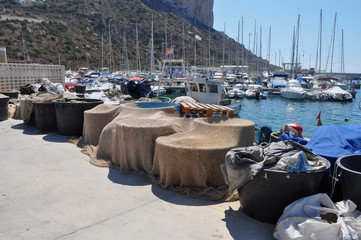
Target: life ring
323,85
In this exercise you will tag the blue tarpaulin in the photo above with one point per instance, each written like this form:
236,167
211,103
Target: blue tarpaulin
334,141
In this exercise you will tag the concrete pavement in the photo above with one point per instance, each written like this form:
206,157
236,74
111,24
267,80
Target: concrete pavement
49,190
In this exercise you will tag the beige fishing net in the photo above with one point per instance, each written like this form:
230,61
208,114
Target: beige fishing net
180,153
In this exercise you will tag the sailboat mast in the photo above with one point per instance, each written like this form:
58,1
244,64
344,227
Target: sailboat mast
293,52
152,50
269,48
166,41
102,51
110,48
260,49
195,44
342,54
183,48
297,41
238,45
22,38
320,41
126,63
224,34
333,40
242,46
137,47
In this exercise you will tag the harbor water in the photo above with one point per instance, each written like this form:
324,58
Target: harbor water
276,111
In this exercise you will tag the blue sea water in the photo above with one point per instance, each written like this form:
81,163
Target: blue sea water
276,111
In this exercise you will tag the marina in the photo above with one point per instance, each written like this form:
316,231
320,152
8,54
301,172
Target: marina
149,120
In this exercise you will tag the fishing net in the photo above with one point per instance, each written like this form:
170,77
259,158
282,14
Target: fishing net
183,154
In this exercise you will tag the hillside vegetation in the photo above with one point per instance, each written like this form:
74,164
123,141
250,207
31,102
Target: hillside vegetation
70,32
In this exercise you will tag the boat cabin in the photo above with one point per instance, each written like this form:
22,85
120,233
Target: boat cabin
204,90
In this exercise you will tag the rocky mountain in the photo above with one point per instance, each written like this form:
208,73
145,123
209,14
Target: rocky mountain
201,9
72,32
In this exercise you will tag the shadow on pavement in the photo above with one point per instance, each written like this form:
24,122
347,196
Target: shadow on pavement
128,179
240,226
179,198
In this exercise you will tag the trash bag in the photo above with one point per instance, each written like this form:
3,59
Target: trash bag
263,134
317,217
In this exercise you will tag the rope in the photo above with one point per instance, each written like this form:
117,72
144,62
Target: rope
334,178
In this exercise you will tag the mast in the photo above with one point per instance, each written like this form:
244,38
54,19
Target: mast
224,34
22,38
166,41
102,51
110,49
297,40
333,40
126,63
269,48
293,52
320,40
342,54
209,52
238,46
183,48
137,47
249,54
242,49
152,51
254,36
260,49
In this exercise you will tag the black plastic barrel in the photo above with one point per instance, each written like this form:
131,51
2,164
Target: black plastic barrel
79,88
265,197
45,118
350,177
4,108
11,94
70,115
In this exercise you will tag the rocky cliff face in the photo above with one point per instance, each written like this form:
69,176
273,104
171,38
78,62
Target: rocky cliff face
201,9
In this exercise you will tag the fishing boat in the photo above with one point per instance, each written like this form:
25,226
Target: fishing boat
208,91
293,90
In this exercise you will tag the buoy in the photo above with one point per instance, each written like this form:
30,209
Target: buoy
297,127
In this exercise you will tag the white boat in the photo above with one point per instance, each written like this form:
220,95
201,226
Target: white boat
277,81
235,92
316,95
208,92
254,93
158,90
293,90
337,94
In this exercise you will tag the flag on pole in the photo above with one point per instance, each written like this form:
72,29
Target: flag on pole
170,51
319,123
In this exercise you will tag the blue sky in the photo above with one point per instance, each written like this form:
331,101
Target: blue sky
282,16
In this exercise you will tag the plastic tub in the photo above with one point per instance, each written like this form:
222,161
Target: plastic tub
11,94
265,197
79,88
350,177
4,108
70,115
45,118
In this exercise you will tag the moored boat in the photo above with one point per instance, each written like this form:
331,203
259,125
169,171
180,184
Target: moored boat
293,90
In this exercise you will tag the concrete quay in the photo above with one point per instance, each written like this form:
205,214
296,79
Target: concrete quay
49,190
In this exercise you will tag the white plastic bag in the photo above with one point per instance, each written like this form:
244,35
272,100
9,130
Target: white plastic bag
317,217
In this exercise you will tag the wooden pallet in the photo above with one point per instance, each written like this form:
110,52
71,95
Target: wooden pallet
205,110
